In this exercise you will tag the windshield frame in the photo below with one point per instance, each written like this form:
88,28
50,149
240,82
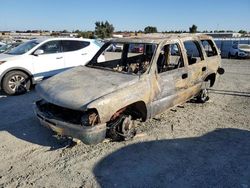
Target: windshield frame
92,63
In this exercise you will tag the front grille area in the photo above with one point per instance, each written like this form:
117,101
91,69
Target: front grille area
52,111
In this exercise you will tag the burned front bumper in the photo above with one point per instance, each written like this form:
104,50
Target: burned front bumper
87,134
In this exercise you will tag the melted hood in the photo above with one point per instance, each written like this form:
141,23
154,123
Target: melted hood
81,85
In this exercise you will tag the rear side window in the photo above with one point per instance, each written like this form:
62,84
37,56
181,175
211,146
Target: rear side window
69,46
209,47
193,51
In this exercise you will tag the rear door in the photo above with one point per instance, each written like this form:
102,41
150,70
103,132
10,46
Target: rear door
172,78
197,66
76,52
212,56
50,62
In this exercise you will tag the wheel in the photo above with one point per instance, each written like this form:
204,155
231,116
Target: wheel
16,82
122,129
237,56
203,96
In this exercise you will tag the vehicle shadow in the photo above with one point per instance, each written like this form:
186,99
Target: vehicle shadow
228,92
18,119
218,159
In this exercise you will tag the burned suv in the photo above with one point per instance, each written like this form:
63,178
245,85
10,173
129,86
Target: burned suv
106,97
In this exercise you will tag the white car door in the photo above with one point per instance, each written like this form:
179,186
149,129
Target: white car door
77,52
50,62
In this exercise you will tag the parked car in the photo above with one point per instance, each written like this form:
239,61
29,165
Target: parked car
8,47
137,48
107,98
239,51
2,44
37,59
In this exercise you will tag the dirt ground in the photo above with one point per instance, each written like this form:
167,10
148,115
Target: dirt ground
194,145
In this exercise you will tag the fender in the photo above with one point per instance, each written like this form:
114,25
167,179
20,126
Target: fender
105,107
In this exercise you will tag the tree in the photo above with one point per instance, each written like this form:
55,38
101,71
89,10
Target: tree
242,31
104,29
150,29
86,34
193,29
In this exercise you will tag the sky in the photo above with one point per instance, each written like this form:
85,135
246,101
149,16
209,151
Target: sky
127,15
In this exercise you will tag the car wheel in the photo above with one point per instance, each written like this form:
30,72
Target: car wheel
122,129
203,96
16,82
237,56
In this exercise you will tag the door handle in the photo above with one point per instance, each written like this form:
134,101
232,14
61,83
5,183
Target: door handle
204,68
84,54
59,57
184,76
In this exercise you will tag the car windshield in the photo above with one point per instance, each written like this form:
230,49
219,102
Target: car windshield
129,58
23,48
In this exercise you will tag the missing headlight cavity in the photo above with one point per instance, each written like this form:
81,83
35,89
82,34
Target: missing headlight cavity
90,118
86,118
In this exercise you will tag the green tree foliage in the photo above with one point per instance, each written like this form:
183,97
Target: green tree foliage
242,31
150,29
104,29
193,29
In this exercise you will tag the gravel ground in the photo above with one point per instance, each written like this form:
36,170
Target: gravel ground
194,145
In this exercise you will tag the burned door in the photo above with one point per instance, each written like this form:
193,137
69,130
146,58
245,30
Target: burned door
171,78
212,55
197,66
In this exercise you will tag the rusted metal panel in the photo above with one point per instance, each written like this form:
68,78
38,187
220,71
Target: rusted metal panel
110,93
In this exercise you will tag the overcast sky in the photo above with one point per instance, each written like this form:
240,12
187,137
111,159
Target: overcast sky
125,14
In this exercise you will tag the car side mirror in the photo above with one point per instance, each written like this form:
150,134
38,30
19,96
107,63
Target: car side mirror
38,52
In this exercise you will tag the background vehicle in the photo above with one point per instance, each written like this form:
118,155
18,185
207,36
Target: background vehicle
8,47
2,44
111,95
137,48
37,59
239,51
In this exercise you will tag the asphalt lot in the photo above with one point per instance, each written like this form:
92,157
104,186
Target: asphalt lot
194,145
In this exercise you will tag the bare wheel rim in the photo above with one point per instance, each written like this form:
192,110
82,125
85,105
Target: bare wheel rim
204,94
17,83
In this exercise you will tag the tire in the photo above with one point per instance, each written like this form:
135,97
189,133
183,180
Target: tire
203,96
122,129
237,56
16,82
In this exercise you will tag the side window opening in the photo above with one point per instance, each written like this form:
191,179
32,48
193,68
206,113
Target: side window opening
194,53
209,47
170,58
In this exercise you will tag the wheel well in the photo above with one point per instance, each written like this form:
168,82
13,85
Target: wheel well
25,72
137,110
211,78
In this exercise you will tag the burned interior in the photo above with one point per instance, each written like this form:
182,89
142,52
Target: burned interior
131,58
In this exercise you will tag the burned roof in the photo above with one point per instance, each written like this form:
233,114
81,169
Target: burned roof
158,38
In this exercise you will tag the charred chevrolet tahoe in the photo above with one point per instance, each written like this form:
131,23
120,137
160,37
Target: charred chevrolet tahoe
139,78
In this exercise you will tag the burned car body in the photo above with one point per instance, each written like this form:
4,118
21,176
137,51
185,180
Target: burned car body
105,98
